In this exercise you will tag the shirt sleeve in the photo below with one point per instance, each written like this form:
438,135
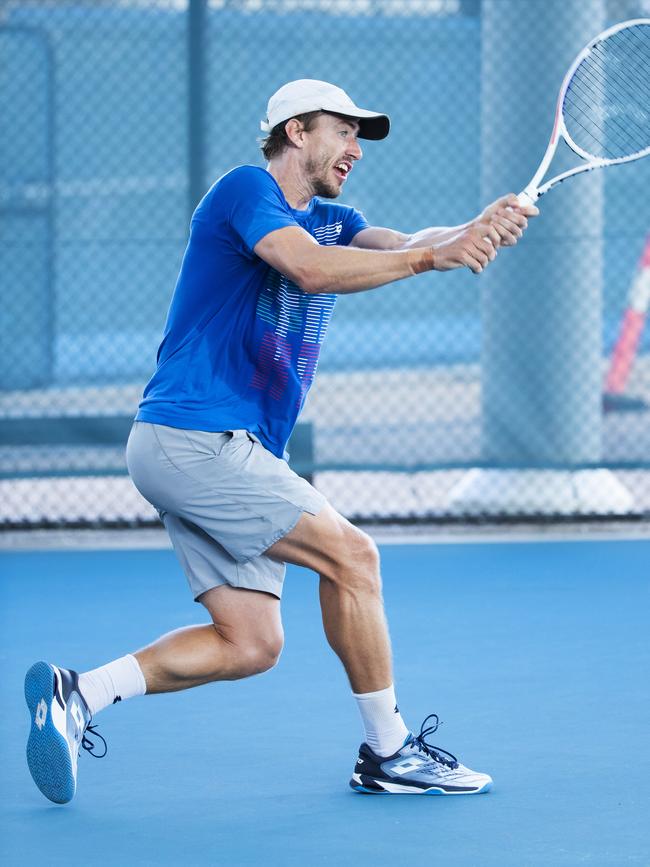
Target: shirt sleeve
254,205
353,222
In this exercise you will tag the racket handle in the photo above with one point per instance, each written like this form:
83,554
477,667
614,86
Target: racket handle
528,196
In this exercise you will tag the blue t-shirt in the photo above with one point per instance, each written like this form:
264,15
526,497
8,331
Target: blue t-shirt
241,342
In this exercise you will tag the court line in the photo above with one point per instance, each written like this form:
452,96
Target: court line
157,539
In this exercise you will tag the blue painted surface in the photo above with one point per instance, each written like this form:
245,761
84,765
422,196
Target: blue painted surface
534,655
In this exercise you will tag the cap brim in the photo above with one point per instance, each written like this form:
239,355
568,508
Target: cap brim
372,125
374,128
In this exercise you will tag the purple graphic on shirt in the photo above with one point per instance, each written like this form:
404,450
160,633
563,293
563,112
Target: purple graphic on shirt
273,365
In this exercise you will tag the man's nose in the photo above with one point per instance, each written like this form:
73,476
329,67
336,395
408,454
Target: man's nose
354,150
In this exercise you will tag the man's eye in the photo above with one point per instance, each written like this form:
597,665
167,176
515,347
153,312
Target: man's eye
343,132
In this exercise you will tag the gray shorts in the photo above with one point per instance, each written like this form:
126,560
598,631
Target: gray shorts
224,500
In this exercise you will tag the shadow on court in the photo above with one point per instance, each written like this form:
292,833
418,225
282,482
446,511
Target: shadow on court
535,656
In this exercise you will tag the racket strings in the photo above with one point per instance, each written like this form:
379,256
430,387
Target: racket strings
603,99
595,128
613,142
631,71
641,37
607,103
601,82
608,90
632,65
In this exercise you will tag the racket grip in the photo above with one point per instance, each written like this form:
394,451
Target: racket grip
528,196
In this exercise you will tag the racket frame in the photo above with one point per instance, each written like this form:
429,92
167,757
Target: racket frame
533,190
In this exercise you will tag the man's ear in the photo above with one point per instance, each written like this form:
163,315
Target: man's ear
295,131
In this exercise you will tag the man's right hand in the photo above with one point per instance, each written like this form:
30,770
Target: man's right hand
474,247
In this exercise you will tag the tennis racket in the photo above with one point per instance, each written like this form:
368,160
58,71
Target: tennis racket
603,108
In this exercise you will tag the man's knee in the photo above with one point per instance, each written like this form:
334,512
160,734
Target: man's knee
253,653
263,654
249,629
355,564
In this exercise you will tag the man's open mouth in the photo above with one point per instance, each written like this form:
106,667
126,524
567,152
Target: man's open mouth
342,170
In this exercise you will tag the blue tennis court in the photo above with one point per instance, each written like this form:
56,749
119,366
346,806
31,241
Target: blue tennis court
141,273
534,654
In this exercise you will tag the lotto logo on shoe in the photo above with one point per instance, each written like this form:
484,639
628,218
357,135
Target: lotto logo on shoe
41,714
407,765
77,715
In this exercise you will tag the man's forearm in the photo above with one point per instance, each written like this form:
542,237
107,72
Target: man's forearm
432,235
378,254
344,270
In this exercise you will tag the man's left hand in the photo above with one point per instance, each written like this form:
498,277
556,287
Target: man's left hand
508,217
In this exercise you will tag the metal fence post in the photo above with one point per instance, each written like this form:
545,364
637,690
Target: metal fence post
196,67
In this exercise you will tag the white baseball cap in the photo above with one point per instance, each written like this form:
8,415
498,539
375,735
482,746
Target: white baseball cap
309,94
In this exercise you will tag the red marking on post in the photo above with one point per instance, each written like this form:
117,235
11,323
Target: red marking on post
624,351
628,338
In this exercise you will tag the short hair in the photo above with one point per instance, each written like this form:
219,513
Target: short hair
277,140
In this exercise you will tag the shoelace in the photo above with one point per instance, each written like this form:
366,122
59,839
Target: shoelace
436,753
88,745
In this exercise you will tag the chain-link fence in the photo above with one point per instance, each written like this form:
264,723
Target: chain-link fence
524,392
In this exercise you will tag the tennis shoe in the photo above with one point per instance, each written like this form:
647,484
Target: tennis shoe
60,720
417,768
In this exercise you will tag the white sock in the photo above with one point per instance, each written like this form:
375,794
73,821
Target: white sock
385,729
110,683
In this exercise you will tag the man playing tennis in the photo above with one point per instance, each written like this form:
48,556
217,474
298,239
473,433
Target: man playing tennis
267,255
